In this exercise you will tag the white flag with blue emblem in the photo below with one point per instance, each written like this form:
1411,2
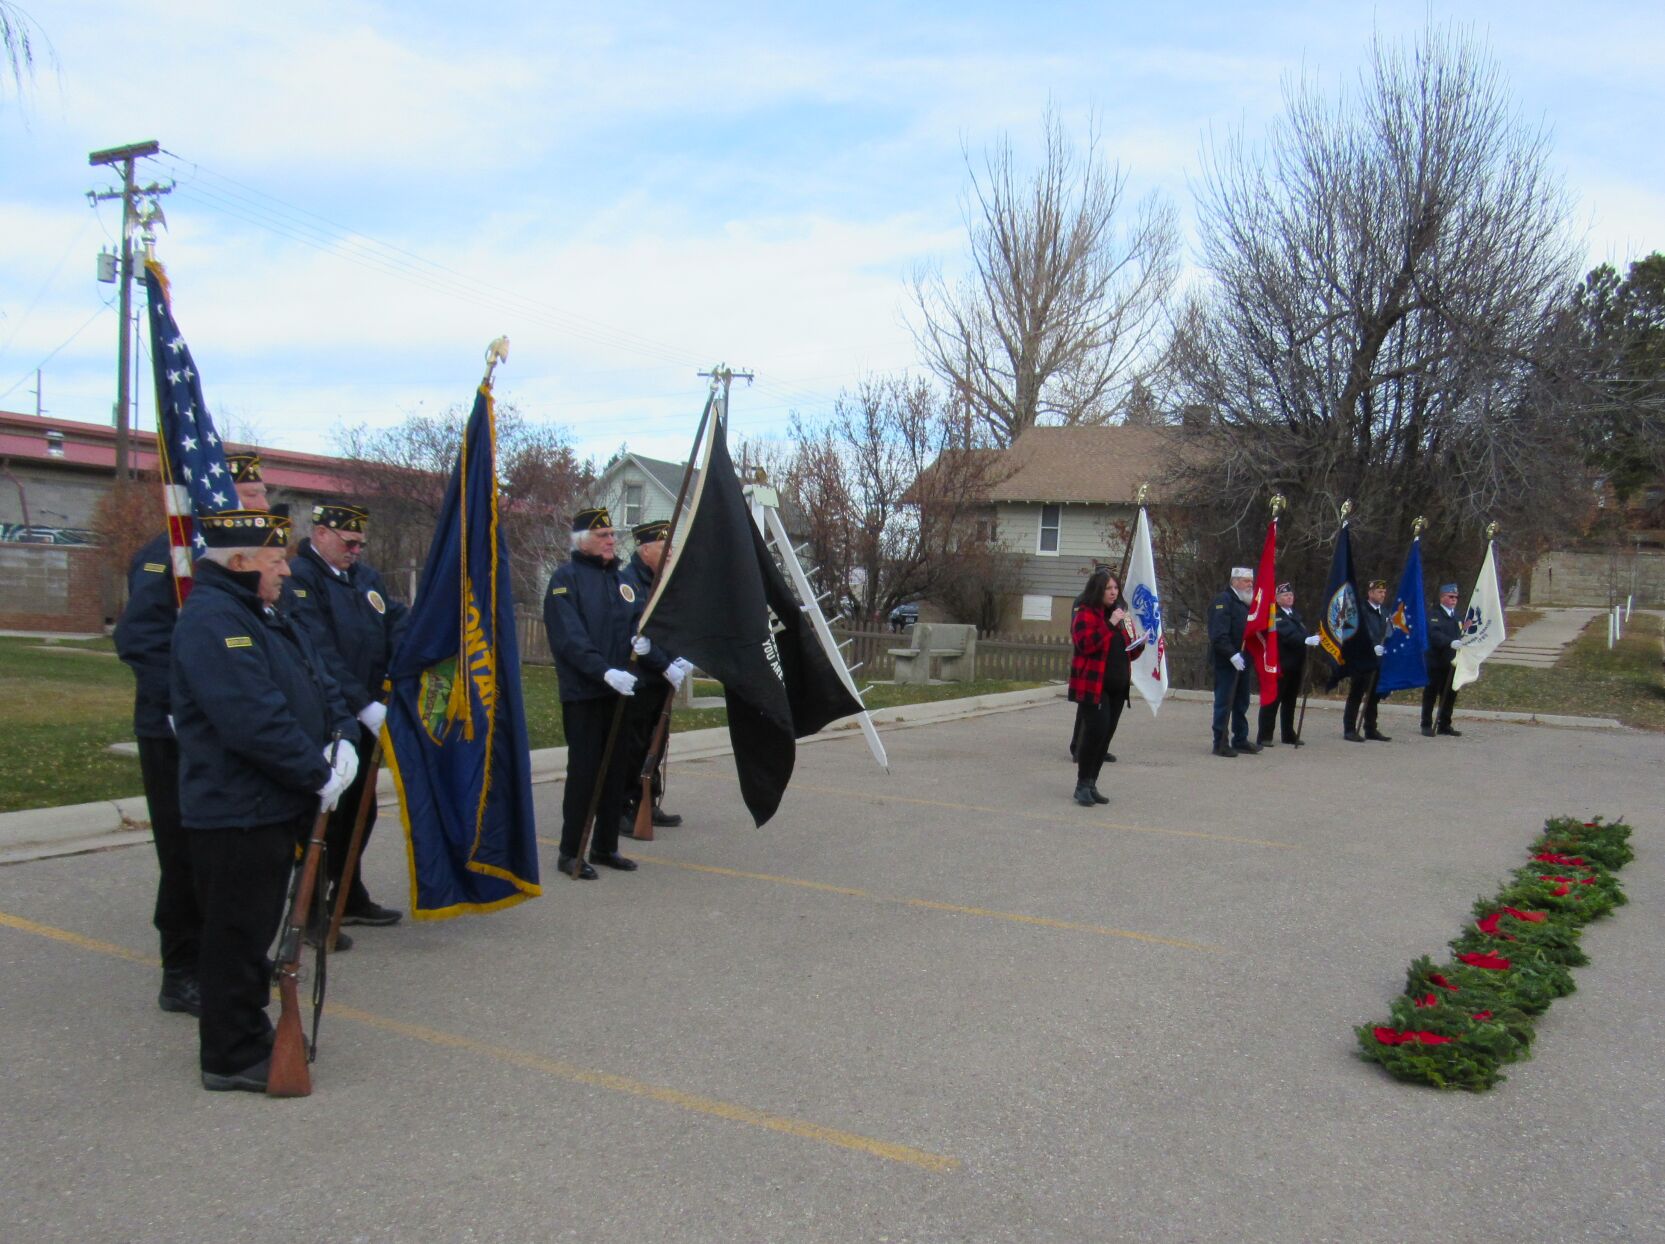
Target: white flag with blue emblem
1482,625
1144,603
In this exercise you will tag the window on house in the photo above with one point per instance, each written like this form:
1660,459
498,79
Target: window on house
1052,517
985,531
632,504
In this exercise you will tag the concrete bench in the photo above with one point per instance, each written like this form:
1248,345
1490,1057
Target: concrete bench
952,646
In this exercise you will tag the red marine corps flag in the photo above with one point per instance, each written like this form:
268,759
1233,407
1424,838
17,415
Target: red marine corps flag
1260,635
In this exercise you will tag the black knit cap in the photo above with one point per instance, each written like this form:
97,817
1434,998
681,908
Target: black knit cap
243,529
340,515
594,518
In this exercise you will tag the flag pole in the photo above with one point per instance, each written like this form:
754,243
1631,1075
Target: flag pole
660,576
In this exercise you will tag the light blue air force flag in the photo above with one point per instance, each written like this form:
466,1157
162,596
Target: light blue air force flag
1404,664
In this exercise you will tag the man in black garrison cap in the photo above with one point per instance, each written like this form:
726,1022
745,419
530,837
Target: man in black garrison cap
587,612
1445,636
1361,690
661,675
257,717
1293,641
354,623
144,640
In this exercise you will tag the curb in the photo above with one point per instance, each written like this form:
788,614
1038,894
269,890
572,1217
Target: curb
40,832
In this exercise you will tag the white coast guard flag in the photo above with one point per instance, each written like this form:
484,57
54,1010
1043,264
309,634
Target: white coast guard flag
1144,603
1482,624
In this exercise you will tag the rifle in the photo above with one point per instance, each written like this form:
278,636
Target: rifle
366,801
642,830
288,1075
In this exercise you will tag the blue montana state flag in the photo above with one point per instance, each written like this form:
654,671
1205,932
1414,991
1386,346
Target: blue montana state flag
1341,631
456,726
196,479
1405,663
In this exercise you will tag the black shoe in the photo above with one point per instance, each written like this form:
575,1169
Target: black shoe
666,820
615,860
315,936
1453,732
1353,736
1377,736
250,1079
1084,795
1246,748
1109,758
1427,732
372,913
180,994
1220,749
1097,798
563,863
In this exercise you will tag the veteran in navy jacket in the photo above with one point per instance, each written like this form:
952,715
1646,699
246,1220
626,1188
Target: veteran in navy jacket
587,613
144,640
662,675
1445,636
1361,691
1228,616
354,624
1293,641
255,712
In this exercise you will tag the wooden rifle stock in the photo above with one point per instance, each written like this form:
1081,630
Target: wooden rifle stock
289,1075
642,830
366,801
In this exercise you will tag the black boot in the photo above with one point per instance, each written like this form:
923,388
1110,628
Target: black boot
1097,798
1084,794
1221,749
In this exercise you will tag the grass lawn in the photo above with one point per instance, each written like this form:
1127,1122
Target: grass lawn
1588,681
67,701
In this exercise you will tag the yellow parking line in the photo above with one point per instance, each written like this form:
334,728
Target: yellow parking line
731,1111
1015,917
873,796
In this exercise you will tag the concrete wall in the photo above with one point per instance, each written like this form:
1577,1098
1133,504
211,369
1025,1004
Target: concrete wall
1599,577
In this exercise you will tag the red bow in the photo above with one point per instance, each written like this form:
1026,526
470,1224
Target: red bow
1492,963
1534,917
1390,1036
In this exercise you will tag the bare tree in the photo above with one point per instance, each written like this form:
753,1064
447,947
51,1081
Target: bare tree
892,484
401,474
1384,320
19,36
1060,303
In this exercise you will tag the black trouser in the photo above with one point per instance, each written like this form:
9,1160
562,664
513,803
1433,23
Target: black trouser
1289,692
1095,727
242,880
1441,692
339,835
586,723
1361,689
178,918
641,717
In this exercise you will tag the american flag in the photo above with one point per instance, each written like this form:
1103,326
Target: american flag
195,476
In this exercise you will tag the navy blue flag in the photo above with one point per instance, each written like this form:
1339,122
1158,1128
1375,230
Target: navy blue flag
456,725
1341,631
196,478
1405,663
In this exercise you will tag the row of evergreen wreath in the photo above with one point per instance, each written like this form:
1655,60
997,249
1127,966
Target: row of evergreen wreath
1458,1023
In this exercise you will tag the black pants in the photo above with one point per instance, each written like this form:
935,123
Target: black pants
339,835
587,723
1440,692
178,918
1289,694
1361,689
1095,727
641,717
242,880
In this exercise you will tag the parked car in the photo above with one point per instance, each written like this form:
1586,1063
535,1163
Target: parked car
904,616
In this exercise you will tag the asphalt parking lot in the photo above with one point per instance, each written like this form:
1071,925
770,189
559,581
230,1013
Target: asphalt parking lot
939,1004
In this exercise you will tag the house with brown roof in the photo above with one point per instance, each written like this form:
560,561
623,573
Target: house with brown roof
1065,500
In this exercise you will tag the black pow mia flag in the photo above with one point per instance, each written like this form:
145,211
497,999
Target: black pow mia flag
722,603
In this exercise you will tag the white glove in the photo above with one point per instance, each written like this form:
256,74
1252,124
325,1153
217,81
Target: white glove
172,729
618,680
685,665
1455,643
1312,641
640,645
371,717
343,769
674,674
1238,663
1381,651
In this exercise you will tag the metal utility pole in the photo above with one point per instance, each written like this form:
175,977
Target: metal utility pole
128,194
725,375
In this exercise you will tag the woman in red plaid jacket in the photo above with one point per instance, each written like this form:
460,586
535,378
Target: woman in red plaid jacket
1100,676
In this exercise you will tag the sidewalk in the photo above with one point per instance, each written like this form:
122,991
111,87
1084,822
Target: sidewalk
1540,644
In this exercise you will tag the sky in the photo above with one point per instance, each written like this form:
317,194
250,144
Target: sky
367,194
